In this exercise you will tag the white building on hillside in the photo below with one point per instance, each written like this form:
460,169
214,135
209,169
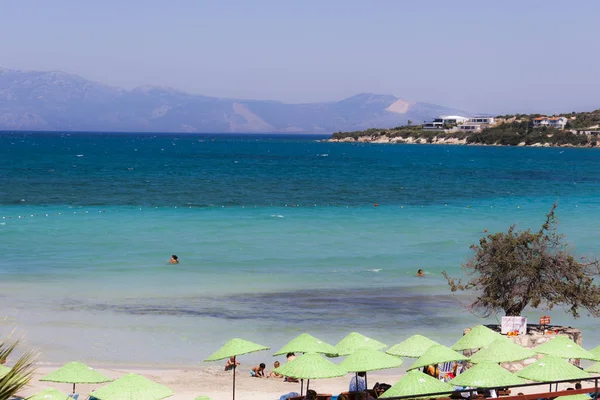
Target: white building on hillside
482,120
551,122
442,121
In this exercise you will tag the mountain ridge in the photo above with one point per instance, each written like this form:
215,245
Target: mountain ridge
59,101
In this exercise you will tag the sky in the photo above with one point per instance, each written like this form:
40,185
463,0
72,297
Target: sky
479,56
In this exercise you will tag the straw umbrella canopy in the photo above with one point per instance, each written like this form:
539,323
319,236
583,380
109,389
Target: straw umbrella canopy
416,384
562,346
354,341
202,398
594,368
596,352
413,347
477,338
3,370
306,343
502,350
551,368
581,396
132,387
233,348
367,359
49,394
487,375
437,354
310,366
75,372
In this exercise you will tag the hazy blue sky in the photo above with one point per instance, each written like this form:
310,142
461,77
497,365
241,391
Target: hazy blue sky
480,56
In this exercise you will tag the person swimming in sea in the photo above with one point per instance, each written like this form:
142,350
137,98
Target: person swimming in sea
174,259
420,273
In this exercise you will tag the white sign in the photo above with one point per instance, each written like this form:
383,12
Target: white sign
512,324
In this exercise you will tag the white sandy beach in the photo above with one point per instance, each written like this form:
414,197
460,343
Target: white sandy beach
216,383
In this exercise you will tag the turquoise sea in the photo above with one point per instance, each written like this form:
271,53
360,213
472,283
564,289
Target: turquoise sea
277,235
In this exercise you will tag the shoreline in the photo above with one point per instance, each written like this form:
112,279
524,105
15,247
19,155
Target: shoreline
444,141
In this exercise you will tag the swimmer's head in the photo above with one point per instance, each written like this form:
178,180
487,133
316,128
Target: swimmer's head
276,364
174,257
420,271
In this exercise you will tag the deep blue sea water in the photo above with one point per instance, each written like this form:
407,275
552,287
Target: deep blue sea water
277,235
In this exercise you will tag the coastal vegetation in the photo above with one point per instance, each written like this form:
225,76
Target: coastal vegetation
581,130
19,375
515,269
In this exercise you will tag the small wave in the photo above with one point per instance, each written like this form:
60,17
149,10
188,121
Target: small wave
79,155
324,155
276,216
375,270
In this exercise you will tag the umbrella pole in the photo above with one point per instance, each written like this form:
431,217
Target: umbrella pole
234,365
366,387
73,388
307,383
302,387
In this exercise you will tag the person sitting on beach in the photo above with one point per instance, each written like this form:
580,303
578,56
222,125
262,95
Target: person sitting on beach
274,374
420,273
231,364
359,386
311,395
258,371
432,370
290,357
174,259
380,388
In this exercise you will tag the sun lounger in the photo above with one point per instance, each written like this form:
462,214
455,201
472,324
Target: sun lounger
74,396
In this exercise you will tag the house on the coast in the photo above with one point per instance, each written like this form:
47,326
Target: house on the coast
551,122
444,121
477,124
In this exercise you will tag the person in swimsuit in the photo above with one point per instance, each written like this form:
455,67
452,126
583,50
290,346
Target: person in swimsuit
258,371
174,259
231,364
420,273
274,374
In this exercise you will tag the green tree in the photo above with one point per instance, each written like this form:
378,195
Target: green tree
19,375
409,122
512,270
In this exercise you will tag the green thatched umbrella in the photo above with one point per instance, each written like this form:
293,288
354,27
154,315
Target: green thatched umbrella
581,396
487,375
595,368
132,387
477,338
202,398
354,341
233,348
3,370
413,347
75,372
366,360
502,350
310,366
306,343
563,347
437,354
416,384
596,352
551,368
49,394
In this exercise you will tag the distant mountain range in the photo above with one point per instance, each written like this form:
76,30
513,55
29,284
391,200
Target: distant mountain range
57,101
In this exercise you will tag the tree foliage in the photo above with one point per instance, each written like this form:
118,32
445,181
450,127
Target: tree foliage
512,270
19,375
